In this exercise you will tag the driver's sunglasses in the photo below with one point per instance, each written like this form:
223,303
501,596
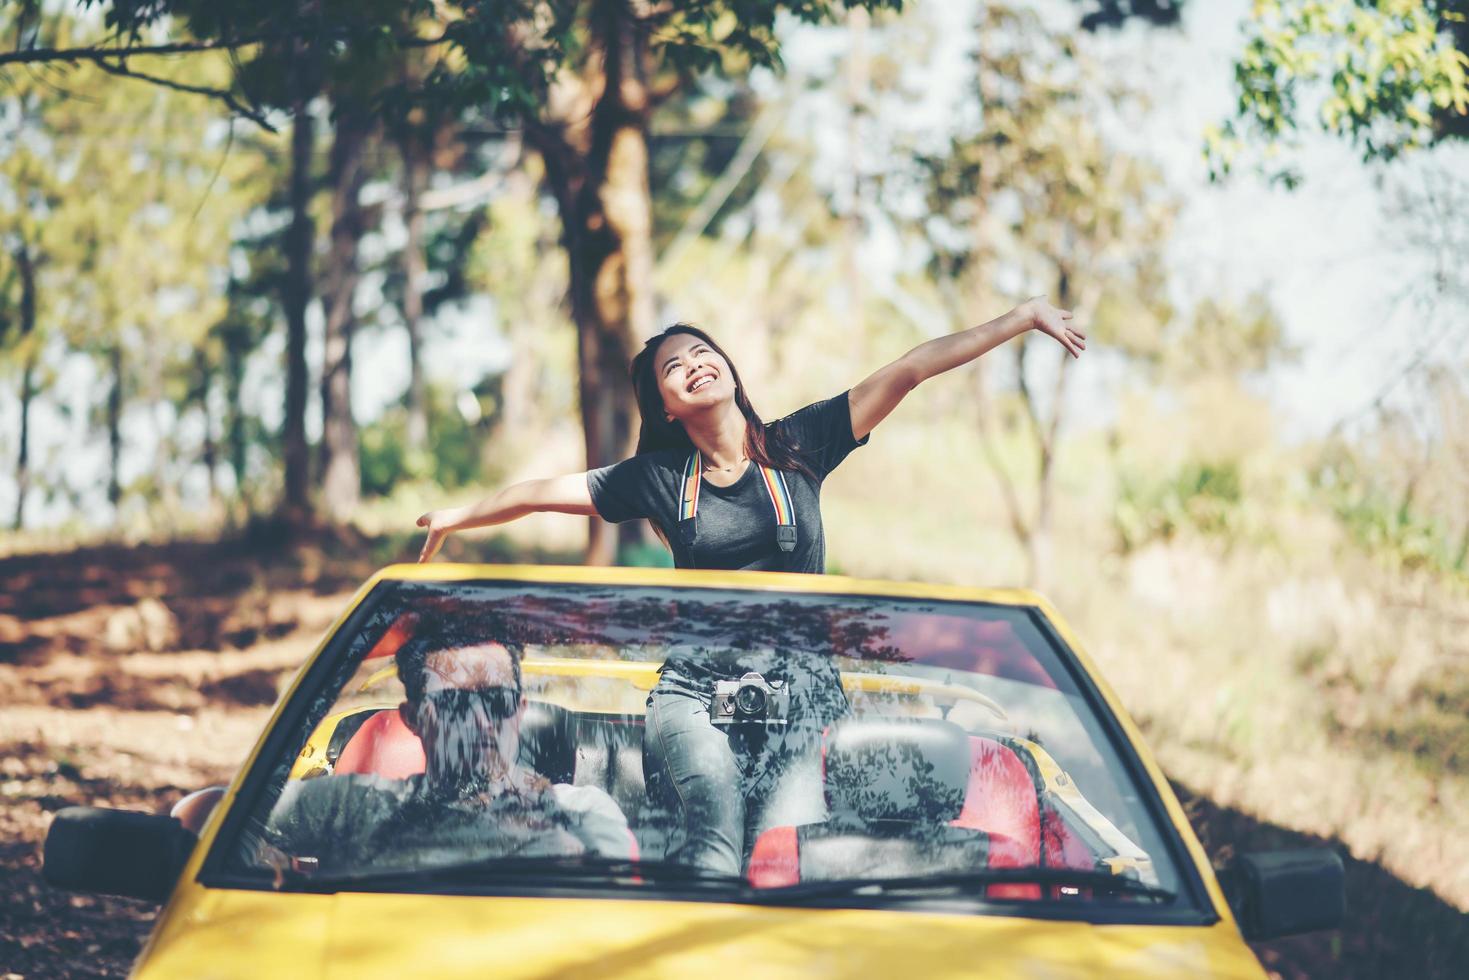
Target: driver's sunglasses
498,703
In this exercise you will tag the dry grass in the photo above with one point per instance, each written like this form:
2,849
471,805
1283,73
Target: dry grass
1317,698
1284,673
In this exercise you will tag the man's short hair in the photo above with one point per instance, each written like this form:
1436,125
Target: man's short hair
436,634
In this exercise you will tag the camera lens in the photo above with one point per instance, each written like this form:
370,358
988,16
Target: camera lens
750,699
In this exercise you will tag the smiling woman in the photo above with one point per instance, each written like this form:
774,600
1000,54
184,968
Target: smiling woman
700,431
754,508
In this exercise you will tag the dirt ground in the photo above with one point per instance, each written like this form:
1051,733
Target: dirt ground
130,676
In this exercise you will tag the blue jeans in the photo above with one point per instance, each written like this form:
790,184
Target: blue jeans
721,786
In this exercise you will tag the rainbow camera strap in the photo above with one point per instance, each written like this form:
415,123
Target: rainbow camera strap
775,485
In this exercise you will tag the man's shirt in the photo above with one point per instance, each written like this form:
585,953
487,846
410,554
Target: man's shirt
353,823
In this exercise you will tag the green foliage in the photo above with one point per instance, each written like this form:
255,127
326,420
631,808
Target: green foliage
1386,524
1218,338
1198,456
682,169
1397,486
123,199
645,555
358,48
1114,13
1200,496
699,35
383,451
1225,338
1390,76
454,457
494,59
1039,187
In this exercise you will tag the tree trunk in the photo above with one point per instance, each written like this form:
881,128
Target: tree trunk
236,350
26,263
340,476
1039,544
596,154
296,295
852,223
520,385
114,429
209,454
415,180
23,461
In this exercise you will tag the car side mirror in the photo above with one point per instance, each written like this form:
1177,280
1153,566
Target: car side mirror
116,852
1282,893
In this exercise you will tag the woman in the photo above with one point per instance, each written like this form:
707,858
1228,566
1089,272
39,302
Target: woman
724,490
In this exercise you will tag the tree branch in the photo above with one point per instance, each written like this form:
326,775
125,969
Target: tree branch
255,115
1027,397
1016,512
1057,400
97,53
1013,507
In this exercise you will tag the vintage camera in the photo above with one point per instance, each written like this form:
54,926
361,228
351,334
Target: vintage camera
750,699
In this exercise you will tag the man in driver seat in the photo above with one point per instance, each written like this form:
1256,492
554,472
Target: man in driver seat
464,701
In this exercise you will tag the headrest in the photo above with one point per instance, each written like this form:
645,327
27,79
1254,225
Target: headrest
548,741
909,769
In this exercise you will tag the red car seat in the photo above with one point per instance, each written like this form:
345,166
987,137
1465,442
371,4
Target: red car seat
382,746
894,787
999,801
1000,798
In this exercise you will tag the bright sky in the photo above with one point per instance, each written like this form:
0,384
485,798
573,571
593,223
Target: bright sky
1329,255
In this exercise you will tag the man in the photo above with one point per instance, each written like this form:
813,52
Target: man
464,701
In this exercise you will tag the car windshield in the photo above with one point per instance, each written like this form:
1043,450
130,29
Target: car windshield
743,743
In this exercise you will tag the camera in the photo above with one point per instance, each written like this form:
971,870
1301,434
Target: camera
750,699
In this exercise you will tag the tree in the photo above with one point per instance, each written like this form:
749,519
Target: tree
583,76
252,312
1388,77
31,193
147,219
1037,196
346,174
20,340
116,235
286,55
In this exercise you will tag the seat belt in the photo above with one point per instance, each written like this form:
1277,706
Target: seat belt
775,485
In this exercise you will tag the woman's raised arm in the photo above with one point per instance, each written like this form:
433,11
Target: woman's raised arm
559,494
877,395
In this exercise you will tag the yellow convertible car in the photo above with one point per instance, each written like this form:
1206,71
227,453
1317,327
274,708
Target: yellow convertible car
539,771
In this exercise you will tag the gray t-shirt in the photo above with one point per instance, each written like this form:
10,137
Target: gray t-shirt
735,527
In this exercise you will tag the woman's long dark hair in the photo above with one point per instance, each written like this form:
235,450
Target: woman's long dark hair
765,447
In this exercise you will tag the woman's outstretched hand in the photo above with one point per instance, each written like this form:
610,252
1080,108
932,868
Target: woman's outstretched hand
439,523
1055,322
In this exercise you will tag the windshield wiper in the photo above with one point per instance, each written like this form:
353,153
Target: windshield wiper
921,886
578,868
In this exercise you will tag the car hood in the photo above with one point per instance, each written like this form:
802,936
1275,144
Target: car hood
213,933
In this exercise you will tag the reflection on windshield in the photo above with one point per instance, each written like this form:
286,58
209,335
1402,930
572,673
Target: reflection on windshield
766,738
